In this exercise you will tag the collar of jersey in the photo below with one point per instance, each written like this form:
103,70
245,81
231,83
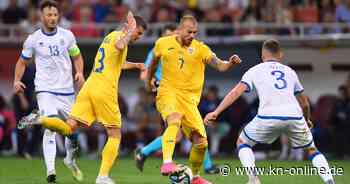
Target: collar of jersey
49,34
271,60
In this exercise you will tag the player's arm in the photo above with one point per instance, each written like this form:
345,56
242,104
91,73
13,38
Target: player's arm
131,65
21,65
143,74
78,62
229,99
150,86
130,27
305,106
223,65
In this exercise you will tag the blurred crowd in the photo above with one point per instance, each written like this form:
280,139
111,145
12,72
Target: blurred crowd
282,12
142,123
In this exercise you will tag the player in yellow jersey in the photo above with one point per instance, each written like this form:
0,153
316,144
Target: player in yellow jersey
98,100
183,60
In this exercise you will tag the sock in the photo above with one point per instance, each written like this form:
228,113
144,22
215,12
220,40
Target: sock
49,149
152,147
109,153
71,144
56,124
207,160
320,162
197,156
246,156
169,141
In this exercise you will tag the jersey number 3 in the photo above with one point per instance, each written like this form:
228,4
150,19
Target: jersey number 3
102,52
281,82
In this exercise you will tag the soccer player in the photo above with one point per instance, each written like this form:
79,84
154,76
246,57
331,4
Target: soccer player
54,49
98,100
283,108
183,60
141,154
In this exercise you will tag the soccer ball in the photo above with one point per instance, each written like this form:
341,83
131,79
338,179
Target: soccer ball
184,176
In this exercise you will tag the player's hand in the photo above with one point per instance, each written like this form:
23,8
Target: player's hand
131,22
234,59
151,86
18,87
141,67
310,124
79,80
210,118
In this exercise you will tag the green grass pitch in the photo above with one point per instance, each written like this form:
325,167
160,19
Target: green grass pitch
20,171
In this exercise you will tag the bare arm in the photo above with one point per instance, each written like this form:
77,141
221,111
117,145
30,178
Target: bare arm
229,99
304,104
18,86
79,70
151,70
130,27
131,65
222,65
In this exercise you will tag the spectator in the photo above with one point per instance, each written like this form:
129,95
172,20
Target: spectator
307,12
13,14
342,14
31,24
102,8
86,28
7,129
341,120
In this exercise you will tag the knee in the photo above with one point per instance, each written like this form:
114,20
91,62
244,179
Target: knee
113,132
239,142
174,118
199,142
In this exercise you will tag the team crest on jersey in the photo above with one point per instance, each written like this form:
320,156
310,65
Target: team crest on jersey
190,50
41,44
62,41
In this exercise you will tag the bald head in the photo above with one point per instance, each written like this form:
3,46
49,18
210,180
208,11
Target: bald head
187,29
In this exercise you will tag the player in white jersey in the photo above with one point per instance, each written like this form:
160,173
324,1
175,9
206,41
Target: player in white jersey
53,48
283,108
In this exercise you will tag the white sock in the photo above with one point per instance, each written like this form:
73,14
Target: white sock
320,162
49,149
69,149
246,156
59,144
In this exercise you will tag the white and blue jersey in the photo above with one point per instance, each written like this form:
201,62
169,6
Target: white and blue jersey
158,73
276,85
279,111
52,60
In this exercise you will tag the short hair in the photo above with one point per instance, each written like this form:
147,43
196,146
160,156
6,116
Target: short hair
188,17
48,3
140,22
272,45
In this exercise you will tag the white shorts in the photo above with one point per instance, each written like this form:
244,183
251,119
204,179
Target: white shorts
266,131
50,103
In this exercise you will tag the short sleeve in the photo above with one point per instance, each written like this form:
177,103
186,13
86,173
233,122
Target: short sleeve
72,42
247,79
28,48
157,52
206,53
298,87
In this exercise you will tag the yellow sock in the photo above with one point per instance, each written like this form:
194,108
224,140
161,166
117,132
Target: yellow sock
169,140
109,153
197,157
56,124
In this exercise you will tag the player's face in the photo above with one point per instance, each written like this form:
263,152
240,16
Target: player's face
50,17
187,32
137,33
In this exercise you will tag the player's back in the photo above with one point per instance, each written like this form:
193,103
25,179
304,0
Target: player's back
108,62
276,85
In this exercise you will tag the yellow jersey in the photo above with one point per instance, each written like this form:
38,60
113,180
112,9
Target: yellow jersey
108,62
183,68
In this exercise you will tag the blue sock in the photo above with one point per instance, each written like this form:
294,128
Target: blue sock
207,160
152,147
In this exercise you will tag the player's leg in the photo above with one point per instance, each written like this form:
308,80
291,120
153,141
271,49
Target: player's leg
209,166
109,154
47,107
301,137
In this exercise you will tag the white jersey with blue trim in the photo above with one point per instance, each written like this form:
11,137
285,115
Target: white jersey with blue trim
276,85
52,60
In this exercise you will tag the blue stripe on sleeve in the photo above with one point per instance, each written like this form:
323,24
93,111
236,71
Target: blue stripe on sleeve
25,57
248,86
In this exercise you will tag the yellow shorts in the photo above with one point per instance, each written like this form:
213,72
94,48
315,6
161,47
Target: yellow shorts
171,101
96,102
